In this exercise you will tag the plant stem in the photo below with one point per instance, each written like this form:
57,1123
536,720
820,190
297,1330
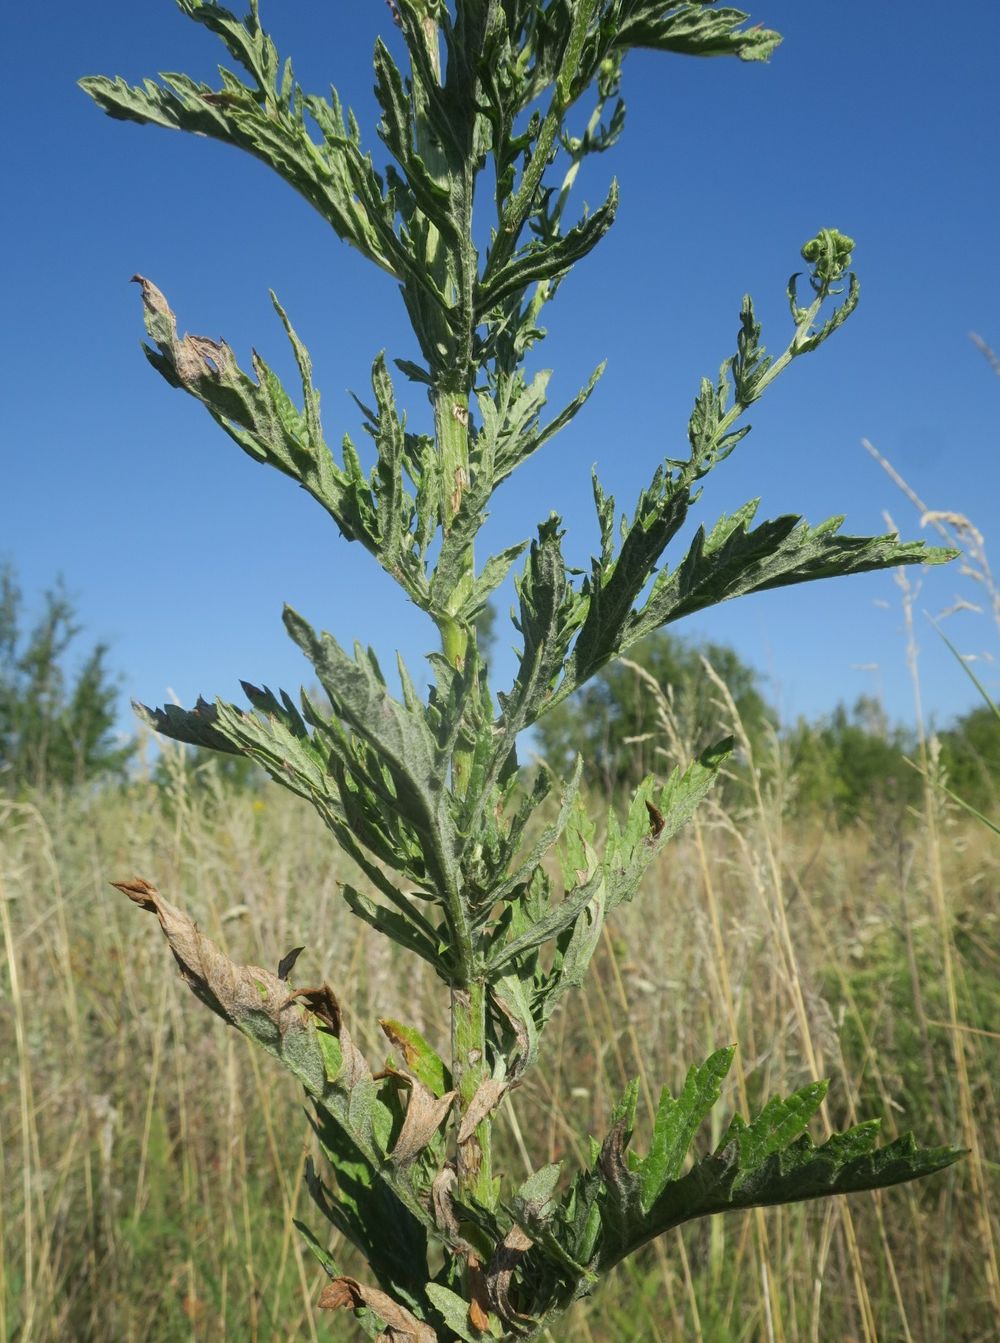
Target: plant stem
451,428
451,423
469,1070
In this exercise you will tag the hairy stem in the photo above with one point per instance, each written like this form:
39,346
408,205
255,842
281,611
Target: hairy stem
451,423
469,1070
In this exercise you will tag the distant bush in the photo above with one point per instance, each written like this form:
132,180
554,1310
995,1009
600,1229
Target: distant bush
849,764
614,722
852,763
970,753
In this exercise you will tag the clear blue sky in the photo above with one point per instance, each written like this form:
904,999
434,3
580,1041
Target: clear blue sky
181,551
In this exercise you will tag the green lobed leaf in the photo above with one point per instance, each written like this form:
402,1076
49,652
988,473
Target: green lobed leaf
769,1160
401,741
655,817
195,727
407,929
735,560
546,261
677,1121
259,415
420,1058
331,175
624,1201
778,1125
696,30
547,838
548,618
560,916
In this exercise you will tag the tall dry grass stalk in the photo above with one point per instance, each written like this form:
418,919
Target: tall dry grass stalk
138,1137
966,1043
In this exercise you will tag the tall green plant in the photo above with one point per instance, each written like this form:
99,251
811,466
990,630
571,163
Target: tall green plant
426,795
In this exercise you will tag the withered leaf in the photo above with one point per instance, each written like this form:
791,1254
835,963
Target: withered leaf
287,962
513,1002
442,1203
500,1270
611,1162
402,1325
144,895
322,1002
489,1094
424,1114
241,994
232,991
479,1304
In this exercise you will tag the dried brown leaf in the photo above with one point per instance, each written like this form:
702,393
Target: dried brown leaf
520,1029
238,993
501,1268
402,1325
193,357
479,1304
611,1162
232,991
425,1112
442,1203
322,1002
154,298
489,1094
478,1317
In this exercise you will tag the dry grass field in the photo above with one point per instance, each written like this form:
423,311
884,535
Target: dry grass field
152,1164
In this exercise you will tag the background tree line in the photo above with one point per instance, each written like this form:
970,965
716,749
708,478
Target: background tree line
59,709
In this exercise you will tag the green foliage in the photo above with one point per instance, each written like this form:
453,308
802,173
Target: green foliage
852,764
624,1200
970,754
55,728
613,720
425,793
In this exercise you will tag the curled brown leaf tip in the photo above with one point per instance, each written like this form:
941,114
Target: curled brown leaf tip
612,1162
500,1272
322,1002
402,1324
140,891
235,992
442,1203
395,1035
152,297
